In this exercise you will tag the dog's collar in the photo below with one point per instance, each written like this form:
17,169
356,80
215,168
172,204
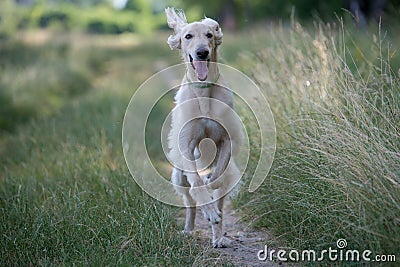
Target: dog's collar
200,84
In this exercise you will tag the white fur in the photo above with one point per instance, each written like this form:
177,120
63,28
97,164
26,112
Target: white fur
188,131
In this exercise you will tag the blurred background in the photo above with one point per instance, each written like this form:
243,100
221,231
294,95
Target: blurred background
118,16
31,29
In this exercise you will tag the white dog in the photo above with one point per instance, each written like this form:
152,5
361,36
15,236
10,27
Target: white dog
204,111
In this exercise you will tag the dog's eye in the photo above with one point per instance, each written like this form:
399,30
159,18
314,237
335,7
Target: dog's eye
209,35
188,36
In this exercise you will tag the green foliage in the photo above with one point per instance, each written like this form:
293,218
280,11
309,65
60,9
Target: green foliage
255,10
97,16
11,18
46,79
68,198
10,115
336,170
100,18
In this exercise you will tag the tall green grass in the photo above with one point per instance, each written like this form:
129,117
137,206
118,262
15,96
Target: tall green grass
66,195
335,95
67,198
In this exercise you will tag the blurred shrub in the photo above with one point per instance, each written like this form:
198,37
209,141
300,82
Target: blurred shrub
144,16
11,18
238,13
104,20
10,114
51,17
256,10
38,80
100,19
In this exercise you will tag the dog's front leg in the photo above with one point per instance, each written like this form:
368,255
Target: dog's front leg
200,194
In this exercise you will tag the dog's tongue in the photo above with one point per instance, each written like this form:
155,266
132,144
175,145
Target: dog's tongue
201,69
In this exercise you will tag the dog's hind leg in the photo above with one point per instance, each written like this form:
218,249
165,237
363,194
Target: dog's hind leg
182,187
218,240
190,213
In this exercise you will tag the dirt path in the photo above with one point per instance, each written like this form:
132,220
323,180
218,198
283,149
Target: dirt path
246,241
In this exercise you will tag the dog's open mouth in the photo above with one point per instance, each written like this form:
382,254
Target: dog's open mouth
200,67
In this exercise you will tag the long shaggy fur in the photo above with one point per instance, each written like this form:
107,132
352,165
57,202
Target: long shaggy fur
195,119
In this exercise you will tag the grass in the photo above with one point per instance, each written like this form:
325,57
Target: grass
335,95
66,195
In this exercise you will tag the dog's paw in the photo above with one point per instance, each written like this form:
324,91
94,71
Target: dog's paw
222,242
186,233
211,213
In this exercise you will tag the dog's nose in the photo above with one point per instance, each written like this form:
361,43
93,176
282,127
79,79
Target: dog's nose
202,53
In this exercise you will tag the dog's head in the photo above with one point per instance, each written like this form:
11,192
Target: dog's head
198,41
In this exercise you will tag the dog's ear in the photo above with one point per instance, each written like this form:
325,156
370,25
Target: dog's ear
216,29
176,20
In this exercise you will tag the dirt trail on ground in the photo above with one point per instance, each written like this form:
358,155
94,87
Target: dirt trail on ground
246,241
